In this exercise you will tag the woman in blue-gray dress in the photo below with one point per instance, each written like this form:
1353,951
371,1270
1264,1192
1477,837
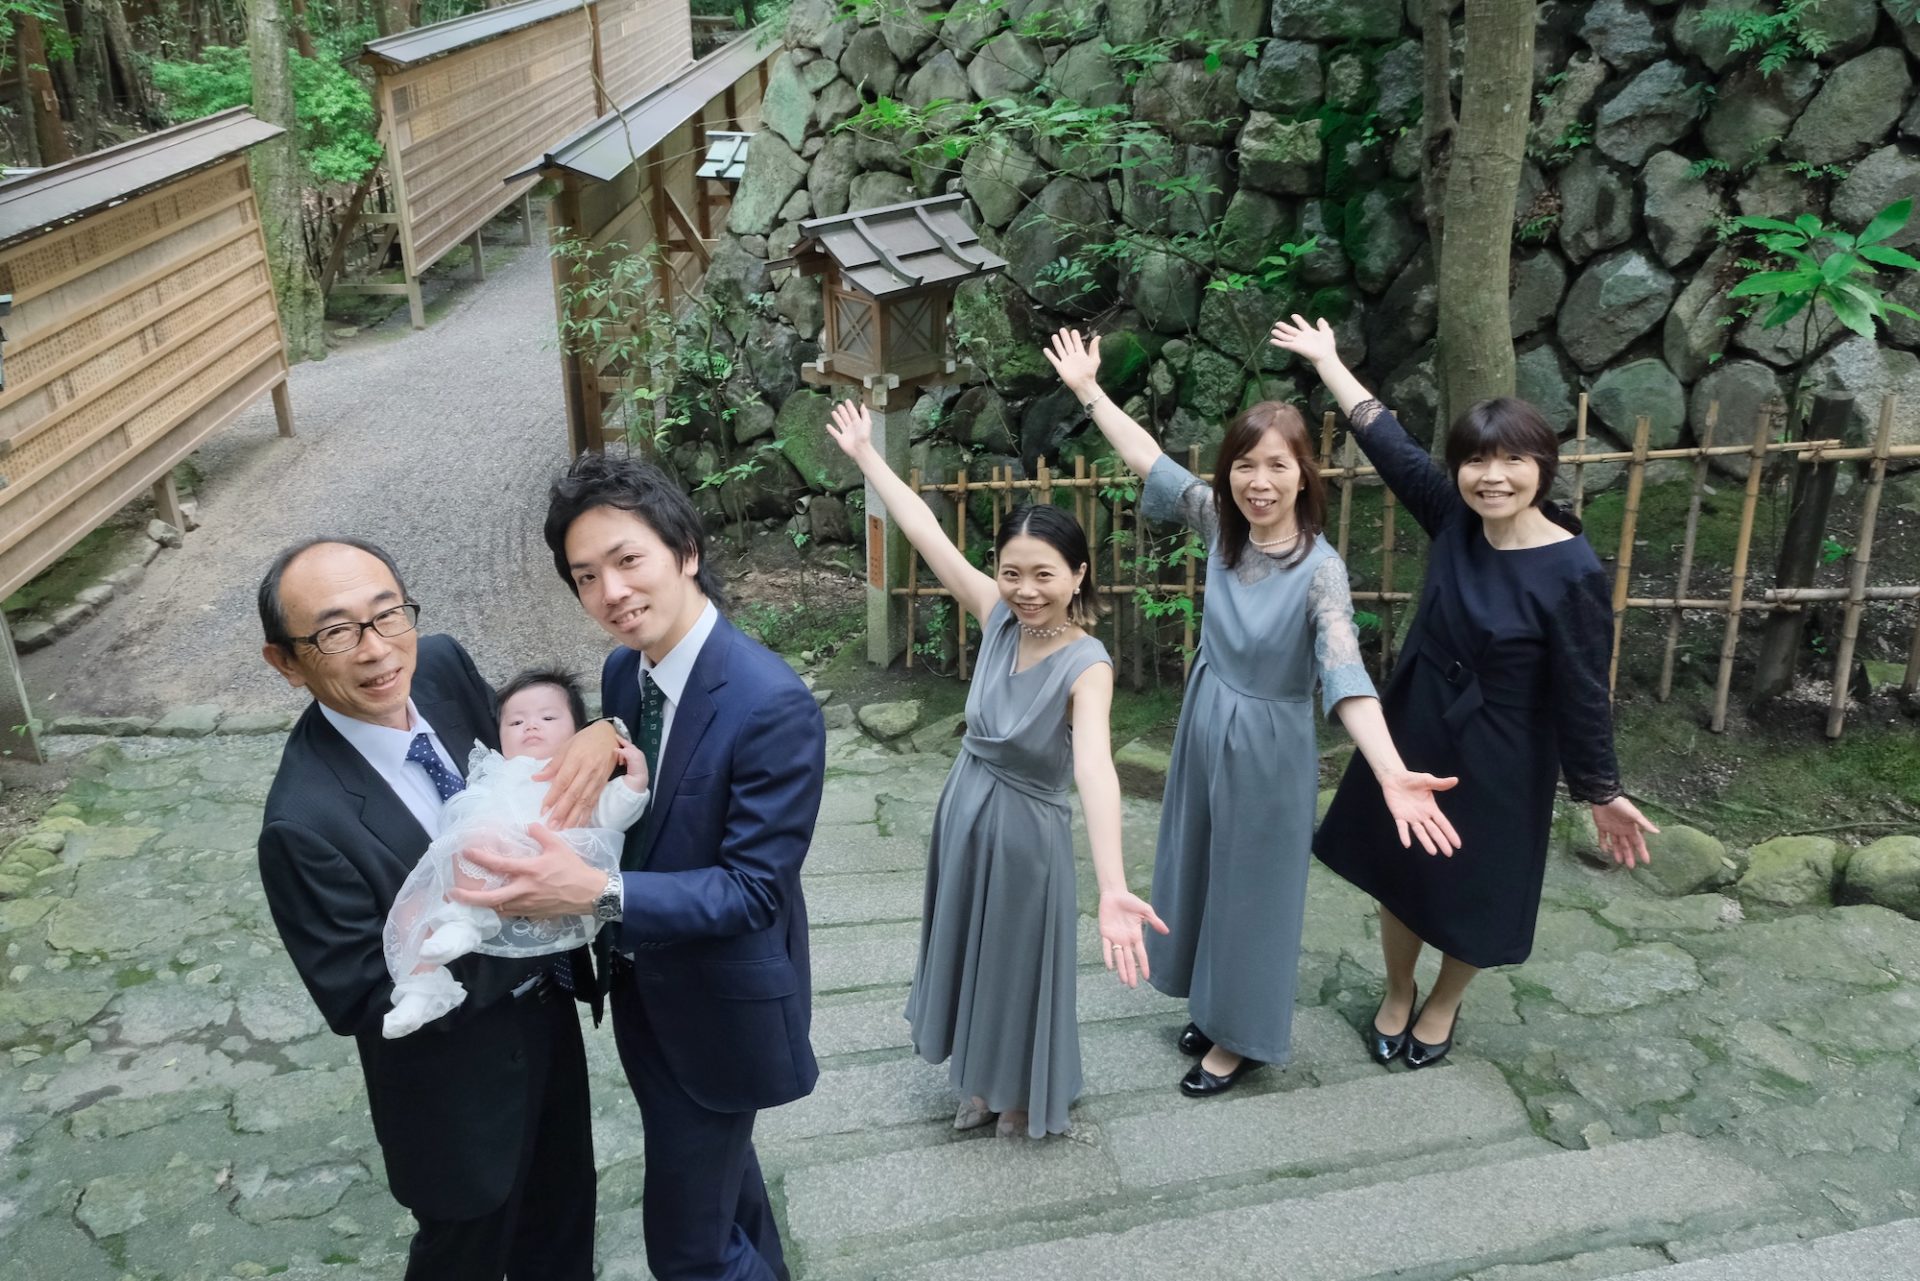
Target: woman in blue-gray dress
994,985
1236,826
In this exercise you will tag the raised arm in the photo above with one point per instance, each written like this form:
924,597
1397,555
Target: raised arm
1427,492
1078,364
1122,913
852,429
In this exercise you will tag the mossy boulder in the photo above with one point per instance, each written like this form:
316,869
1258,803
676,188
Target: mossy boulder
997,330
1789,871
1886,872
1685,861
800,430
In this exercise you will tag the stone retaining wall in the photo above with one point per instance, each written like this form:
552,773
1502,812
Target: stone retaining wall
1293,121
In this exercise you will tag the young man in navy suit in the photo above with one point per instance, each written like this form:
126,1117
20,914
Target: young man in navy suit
709,975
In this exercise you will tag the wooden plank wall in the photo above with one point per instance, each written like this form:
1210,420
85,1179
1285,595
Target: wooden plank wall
643,44
136,333
456,126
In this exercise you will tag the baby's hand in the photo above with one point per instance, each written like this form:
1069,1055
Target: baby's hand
636,763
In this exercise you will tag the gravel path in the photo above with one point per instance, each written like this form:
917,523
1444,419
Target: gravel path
439,445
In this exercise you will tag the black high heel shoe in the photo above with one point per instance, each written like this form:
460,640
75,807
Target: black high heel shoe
1385,1047
1202,1084
1193,1041
1420,1054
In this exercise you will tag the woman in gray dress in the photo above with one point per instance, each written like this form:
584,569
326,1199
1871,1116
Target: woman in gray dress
1236,826
993,988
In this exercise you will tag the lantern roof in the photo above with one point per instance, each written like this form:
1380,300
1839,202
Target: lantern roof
726,156
894,249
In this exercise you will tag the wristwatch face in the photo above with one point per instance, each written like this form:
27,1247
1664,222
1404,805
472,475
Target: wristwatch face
607,906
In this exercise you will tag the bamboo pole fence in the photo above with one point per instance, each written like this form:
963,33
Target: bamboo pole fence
1131,580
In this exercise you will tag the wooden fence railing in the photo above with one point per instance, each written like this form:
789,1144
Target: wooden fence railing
1142,578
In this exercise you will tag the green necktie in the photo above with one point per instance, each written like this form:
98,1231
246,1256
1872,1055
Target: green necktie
653,708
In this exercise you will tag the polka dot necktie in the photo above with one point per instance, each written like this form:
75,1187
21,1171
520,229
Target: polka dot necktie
445,781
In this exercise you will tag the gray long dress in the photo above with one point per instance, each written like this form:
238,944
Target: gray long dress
994,984
1236,826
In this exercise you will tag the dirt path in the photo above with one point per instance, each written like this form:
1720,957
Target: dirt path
439,445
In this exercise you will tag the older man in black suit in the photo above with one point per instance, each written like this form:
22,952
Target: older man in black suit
482,1114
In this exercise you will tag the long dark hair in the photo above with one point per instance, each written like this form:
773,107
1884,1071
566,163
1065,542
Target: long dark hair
1309,507
1505,425
1061,532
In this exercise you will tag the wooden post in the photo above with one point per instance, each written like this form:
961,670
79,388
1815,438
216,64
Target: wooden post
960,541
1346,493
1326,440
1043,482
913,578
1686,548
1910,682
526,217
656,179
416,305
283,407
166,503
1623,566
586,425
16,715
887,548
1579,457
1799,556
479,258
1857,586
1737,590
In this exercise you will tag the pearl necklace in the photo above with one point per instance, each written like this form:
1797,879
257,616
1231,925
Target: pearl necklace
1273,542
1044,633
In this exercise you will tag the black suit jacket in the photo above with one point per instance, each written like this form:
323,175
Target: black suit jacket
448,1101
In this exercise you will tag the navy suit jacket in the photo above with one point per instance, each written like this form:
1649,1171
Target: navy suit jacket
335,845
714,918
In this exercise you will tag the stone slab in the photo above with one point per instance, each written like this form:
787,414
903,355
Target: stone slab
861,848
1309,1131
1437,1223
902,1192
864,956
876,896
1869,1254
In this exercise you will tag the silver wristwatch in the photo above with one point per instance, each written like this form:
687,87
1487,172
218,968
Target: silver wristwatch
619,726
612,901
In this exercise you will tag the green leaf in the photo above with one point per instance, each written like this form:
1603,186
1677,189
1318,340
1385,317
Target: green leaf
1756,223
1808,224
1838,266
1786,309
1888,257
1773,282
1852,314
1887,221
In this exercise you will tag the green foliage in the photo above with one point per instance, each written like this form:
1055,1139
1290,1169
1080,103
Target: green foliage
1701,168
1274,272
1827,268
1562,150
334,112
1538,230
1780,35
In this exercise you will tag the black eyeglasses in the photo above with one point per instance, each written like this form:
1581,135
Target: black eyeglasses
341,637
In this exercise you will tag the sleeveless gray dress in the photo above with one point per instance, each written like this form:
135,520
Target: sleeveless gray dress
994,984
1236,825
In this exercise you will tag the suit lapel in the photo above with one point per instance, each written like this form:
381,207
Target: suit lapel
385,816
690,720
450,722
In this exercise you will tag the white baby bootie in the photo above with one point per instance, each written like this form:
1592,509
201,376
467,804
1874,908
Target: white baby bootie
451,939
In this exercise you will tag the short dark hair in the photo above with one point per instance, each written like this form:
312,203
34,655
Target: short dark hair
1505,424
596,480
566,681
1245,432
273,615
1060,531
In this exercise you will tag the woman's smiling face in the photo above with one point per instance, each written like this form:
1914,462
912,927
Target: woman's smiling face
1498,484
1265,481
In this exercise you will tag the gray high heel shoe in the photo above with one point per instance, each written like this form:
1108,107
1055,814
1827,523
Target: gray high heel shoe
972,1115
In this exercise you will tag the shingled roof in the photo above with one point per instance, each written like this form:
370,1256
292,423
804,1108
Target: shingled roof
726,156
897,248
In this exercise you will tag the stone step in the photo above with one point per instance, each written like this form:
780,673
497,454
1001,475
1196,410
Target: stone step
860,847
1437,1224
1298,1132
861,898
1868,1254
855,956
863,1021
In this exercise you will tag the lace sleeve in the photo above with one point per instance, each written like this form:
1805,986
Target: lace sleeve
1579,639
1175,494
1336,645
1423,488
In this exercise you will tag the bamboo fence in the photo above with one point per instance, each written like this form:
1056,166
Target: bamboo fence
1109,491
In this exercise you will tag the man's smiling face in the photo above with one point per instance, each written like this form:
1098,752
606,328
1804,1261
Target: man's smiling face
333,583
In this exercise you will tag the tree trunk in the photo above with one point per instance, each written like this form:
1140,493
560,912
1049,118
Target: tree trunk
1799,557
277,180
49,130
1436,116
23,107
126,67
302,39
1476,340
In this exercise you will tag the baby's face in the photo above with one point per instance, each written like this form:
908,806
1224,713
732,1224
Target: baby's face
535,722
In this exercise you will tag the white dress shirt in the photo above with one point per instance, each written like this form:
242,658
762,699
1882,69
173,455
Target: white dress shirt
671,673
385,749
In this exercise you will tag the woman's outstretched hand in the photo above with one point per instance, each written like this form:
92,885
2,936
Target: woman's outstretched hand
851,426
1622,828
1410,799
1313,341
1075,360
1122,939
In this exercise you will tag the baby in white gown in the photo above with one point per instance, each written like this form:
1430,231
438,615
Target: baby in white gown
539,712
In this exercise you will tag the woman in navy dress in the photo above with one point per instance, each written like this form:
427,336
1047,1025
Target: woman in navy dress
1502,681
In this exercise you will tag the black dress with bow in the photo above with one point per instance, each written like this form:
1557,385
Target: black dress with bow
1502,682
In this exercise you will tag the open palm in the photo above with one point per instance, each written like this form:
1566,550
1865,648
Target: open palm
1074,359
1123,945
1313,342
1416,812
851,426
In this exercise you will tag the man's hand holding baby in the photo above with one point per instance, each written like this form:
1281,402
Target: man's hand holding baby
578,773
556,882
